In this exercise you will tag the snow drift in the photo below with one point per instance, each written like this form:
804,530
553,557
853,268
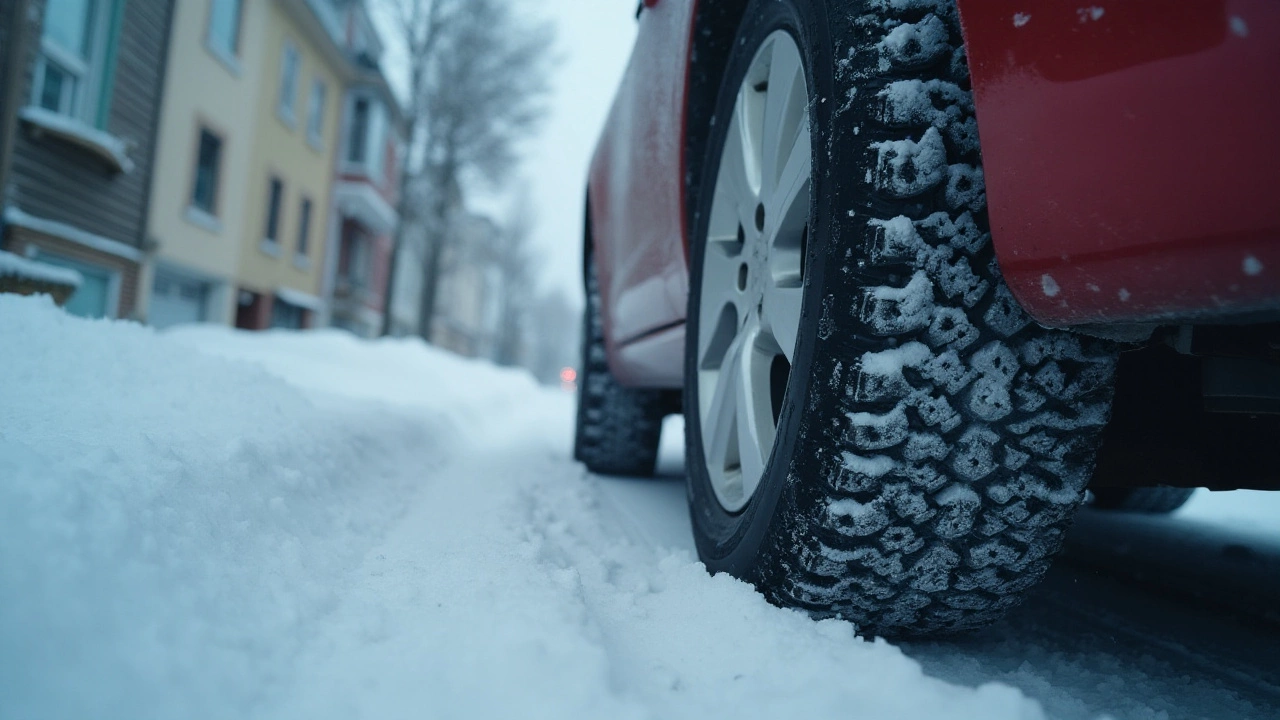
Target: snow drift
214,524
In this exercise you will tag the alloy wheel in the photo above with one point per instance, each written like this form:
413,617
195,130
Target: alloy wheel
753,270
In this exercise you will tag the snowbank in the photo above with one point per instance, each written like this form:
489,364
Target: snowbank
208,523
19,267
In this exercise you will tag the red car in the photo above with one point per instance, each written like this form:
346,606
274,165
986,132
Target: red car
924,275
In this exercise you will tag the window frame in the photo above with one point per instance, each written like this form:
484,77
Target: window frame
211,213
228,57
274,220
302,249
85,98
316,111
287,107
372,163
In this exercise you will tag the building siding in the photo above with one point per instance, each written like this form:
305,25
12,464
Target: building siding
54,180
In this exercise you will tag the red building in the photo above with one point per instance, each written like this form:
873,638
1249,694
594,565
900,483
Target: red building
366,190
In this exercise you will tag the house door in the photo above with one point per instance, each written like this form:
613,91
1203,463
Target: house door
176,300
99,291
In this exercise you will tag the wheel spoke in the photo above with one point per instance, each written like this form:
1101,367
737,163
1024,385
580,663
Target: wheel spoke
755,416
720,267
785,113
788,205
782,316
719,421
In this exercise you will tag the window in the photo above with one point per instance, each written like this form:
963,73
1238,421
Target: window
315,112
366,136
68,72
224,28
286,315
358,134
204,191
289,62
355,255
274,200
304,226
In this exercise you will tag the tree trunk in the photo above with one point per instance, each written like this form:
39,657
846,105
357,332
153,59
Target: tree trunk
437,235
397,244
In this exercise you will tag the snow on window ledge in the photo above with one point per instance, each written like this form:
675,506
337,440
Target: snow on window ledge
297,298
68,129
269,247
202,219
302,262
16,266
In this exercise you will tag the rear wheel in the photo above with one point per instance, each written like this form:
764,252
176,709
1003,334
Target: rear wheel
618,428
875,429
1154,500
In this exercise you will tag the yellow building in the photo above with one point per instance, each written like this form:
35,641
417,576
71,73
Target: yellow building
298,112
203,152
245,163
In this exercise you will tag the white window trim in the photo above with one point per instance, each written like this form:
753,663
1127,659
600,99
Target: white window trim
315,136
202,219
373,167
287,111
89,86
229,61
228,58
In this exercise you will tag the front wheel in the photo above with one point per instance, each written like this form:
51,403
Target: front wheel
875,429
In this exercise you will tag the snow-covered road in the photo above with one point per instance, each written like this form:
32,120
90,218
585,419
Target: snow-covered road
214,524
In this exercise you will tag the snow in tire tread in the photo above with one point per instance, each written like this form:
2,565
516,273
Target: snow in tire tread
964,434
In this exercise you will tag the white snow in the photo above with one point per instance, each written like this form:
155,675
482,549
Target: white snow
1093,12
17,266
1252,266
300,298
892,310
1021,19
872,467
1239,26
911,44
905,168
107,146
1049,285
16,216
213,524
1252,510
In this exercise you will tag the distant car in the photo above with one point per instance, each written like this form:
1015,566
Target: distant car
896,346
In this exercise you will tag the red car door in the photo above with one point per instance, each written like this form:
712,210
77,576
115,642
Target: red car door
637,200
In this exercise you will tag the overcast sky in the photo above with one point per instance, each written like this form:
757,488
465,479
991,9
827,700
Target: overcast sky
594,41
595,38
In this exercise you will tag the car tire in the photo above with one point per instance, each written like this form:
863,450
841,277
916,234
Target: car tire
930,443
618,428
1153,500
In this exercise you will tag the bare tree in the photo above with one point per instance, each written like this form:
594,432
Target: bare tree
478,81
516,263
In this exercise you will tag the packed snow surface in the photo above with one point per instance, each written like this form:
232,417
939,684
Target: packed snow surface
207,523
213,524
